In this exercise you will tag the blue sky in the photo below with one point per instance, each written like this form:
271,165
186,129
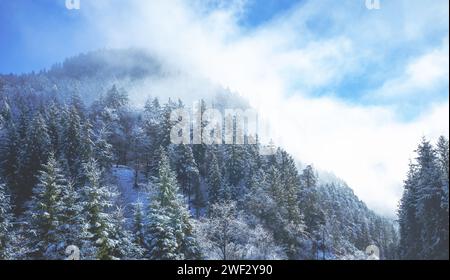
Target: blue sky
38,33
259,12
347,88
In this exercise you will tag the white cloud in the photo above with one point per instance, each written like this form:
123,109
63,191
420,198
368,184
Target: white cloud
278,65
421,77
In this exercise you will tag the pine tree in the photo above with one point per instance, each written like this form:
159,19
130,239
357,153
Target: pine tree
151,127
184,232
314,217
87,148
43,214
429,200
235,167
124,247
167,183
443,158
423,213
102,149
115,98
200,149
72,229
97,203
77,103
73,143
109,239
54,128
258,201
36,152
187,171
11,156
170,228
166,123
162,241
442,150
409,227
115,115
138,227
288,225
214,180
5,224
291,182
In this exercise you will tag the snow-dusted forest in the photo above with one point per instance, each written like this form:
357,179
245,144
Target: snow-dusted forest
82,165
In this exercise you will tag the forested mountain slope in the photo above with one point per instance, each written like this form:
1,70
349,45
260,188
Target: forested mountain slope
83,165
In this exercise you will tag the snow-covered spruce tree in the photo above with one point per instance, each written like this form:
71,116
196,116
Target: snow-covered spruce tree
257,201
54,128
185,232
200,150
166,122
72,228
287,224
161,239
102,150
43,217
151,126
423,212
73,142
5,224
97,200
313,215
112,111
187,171
76,102
25,117
170,230
110,239
408,223
10,155
214,181
291,186
138,227
235,169
35,154
429,211
124,248
87,141
442,149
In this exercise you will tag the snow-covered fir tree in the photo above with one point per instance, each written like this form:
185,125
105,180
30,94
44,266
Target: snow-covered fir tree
423,212
33,156
6,249
139,227
44,218
214,180
110,240
170,229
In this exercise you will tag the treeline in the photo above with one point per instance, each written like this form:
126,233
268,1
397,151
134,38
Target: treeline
423,212
204,201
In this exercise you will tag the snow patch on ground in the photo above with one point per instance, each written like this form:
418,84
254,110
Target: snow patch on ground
129,194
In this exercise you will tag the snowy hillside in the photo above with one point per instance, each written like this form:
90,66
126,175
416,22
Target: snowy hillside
71,138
